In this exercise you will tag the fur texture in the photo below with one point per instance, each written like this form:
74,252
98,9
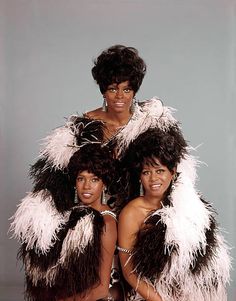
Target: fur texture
60,270
190,260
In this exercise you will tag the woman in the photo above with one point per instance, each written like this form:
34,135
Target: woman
119,72
68,249
170,246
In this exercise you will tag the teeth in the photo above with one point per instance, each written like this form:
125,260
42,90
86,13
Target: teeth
87,194
155,185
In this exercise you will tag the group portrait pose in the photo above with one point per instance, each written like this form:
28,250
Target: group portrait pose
114,213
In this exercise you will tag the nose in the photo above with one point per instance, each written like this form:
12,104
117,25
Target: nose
119,93
153,176
87,184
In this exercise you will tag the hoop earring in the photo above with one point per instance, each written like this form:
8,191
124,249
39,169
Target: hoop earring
104,105
141,191
76,201
132,107
103,197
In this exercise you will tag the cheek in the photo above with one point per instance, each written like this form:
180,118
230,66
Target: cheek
129,97
168,180
78,186
98,188
109,97
144,181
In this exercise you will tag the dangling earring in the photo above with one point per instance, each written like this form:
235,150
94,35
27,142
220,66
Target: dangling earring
172,186
103,197
141,192
131,109
76,201
104,105
174,181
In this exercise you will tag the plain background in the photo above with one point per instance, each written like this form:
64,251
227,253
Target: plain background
46,53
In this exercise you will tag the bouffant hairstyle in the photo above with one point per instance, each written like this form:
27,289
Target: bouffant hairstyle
167,146
118,64
96,159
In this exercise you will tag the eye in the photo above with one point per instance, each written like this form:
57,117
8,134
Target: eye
95,179
127,90
79,179
145,172
112,89
160,171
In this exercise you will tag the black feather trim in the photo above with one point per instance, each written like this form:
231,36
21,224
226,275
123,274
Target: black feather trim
203,257
87,130
150,256
78,273
56,181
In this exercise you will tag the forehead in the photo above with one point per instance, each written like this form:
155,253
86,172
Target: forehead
120,85
86,173
152,162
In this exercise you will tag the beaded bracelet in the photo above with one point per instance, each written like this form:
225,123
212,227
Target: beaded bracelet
124,250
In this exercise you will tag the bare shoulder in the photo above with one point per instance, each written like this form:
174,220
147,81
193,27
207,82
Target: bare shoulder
95,114
110,224
131,211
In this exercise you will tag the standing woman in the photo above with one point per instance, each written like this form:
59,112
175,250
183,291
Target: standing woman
68,254
170,246
119,72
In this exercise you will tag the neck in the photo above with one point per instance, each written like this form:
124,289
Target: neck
119,119
99,206
153,202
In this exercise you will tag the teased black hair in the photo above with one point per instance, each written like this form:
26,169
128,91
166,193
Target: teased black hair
168,146
96,159
118,64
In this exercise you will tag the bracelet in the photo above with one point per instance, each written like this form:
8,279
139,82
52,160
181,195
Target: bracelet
124,250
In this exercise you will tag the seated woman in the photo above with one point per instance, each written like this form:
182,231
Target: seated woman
169,243
69,254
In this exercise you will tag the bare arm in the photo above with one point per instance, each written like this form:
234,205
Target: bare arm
109,238
129,223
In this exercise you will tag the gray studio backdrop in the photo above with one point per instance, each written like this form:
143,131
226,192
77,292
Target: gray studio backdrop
46,53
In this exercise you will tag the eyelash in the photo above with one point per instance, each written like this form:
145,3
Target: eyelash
79,179
159,171
127,90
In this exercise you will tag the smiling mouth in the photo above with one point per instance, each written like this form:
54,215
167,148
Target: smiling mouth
86,194
118,103
155,186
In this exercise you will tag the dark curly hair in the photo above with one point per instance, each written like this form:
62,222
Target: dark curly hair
118,64
168,146
96,159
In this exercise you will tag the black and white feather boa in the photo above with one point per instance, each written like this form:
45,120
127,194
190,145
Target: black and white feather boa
181,252
57,248
153,114
49,173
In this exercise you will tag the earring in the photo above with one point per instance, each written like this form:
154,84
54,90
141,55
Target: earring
175,177
131,109
104,105
103,197
141,192
76,201
172,186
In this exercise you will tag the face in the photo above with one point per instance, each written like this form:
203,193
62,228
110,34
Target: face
89,188
156,179
119,97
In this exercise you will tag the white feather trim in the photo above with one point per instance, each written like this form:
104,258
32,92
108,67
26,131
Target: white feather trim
187,221
79,237
152,114
187,167
58,146
36,222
